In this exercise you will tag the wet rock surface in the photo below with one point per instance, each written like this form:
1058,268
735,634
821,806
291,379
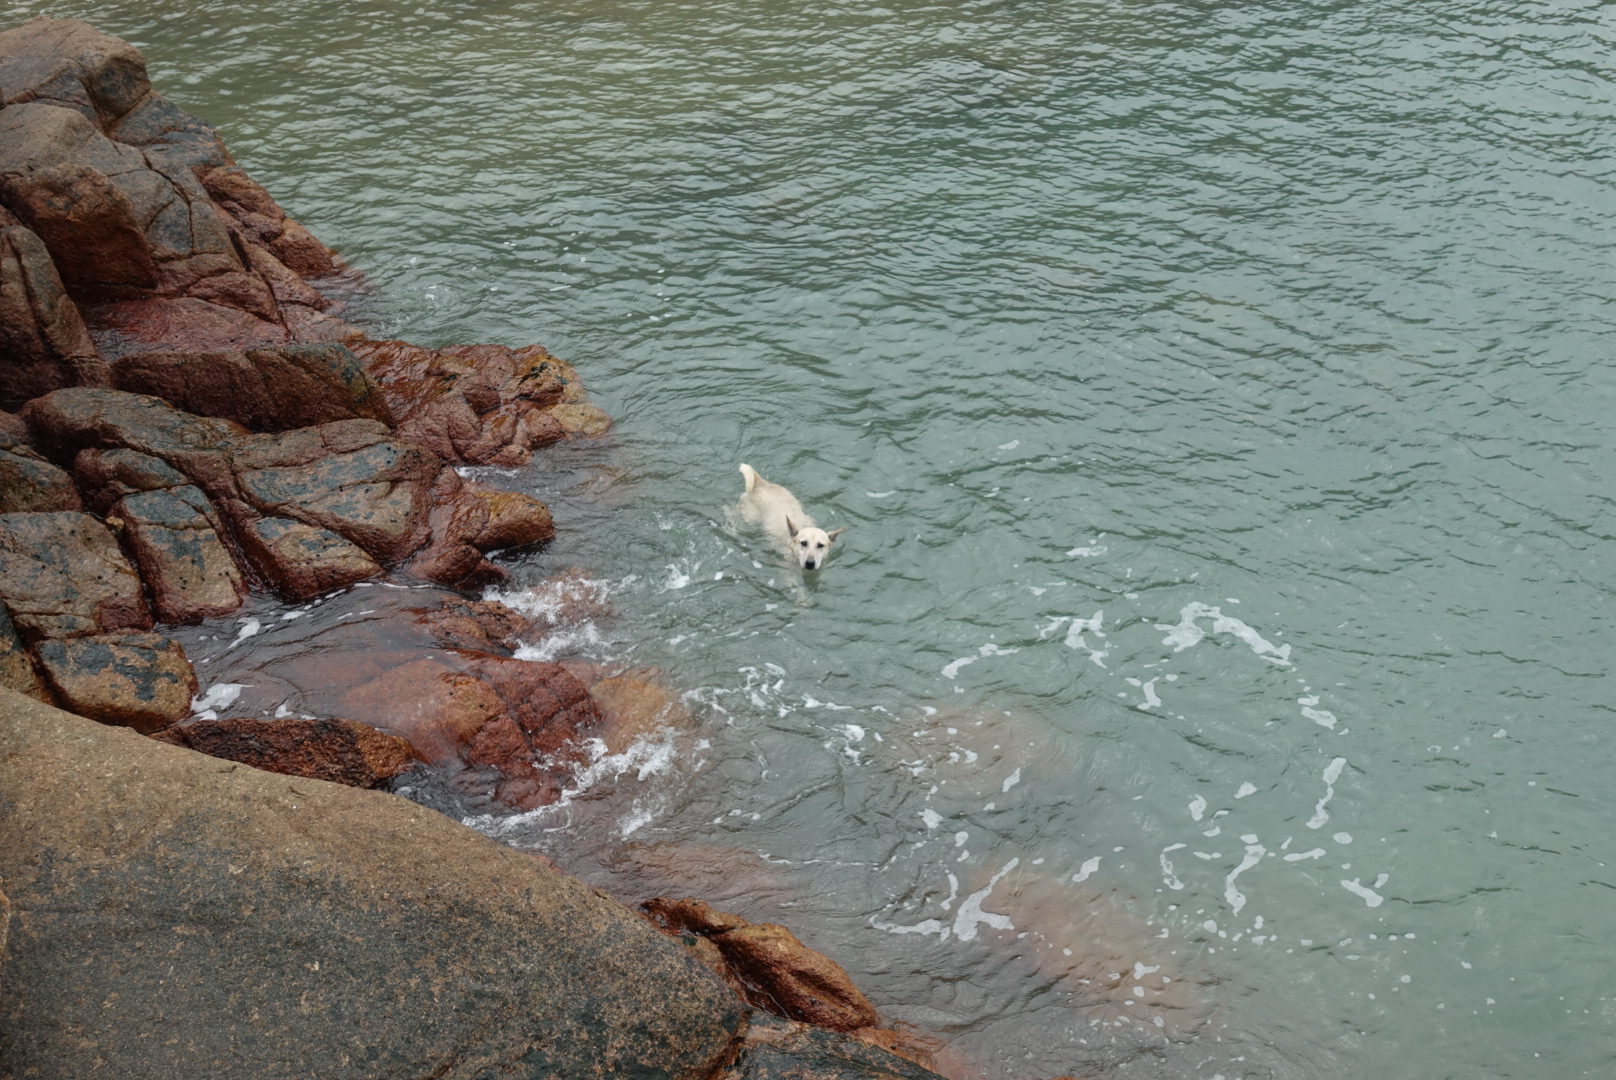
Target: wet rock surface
776,1049
268,912
338,751
141,681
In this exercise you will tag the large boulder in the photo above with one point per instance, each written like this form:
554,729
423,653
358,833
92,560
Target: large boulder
298,561
44,344
185,564
63,575
180,917
141,681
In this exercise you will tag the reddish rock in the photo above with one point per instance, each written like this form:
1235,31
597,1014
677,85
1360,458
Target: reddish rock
141,681
340,751
263,389
478,625
186,567
298,561
30,483
774,1049
485,404
44,344
582,421
777,972
437,708
690,916
69,63
62,575
105,476
792,980
181,323
16,669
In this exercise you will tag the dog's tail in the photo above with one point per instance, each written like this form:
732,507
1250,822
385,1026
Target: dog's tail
751,476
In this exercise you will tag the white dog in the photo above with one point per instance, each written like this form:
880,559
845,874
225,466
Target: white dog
782,518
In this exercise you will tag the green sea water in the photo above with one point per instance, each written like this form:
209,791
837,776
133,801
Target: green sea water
1219,401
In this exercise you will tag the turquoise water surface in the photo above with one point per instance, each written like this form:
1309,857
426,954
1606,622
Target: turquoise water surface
1218,398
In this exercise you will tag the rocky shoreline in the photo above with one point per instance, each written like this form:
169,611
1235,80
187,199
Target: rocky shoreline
188,422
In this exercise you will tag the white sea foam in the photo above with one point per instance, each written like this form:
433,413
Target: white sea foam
1089,866
221,695
249,627
1332,773
1298,856
971,914
1197,807
1248,788
1187,634
990,649
1370,896
1012,780
1168,876
1254,855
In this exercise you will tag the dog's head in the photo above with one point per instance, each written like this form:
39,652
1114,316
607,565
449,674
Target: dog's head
810,545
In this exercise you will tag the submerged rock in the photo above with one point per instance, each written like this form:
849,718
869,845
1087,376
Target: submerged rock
233,922
141,681
339,751
782,1050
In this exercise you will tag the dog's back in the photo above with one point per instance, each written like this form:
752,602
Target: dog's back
768,505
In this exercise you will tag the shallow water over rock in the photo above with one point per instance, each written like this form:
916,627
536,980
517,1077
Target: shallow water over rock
1214,399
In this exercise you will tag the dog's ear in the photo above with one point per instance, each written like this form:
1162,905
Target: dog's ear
834,533
791,530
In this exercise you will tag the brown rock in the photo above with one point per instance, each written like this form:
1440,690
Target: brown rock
582,421
44,344
690,916
263,389
299,561
78,190
184,563
514,520
339,751
301,252
141,681
30,483
70,63
179,323
68,421
374,495
62,575
16,669
108,475
791,980
479,625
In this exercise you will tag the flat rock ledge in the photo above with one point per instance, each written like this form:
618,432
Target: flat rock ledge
176,916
